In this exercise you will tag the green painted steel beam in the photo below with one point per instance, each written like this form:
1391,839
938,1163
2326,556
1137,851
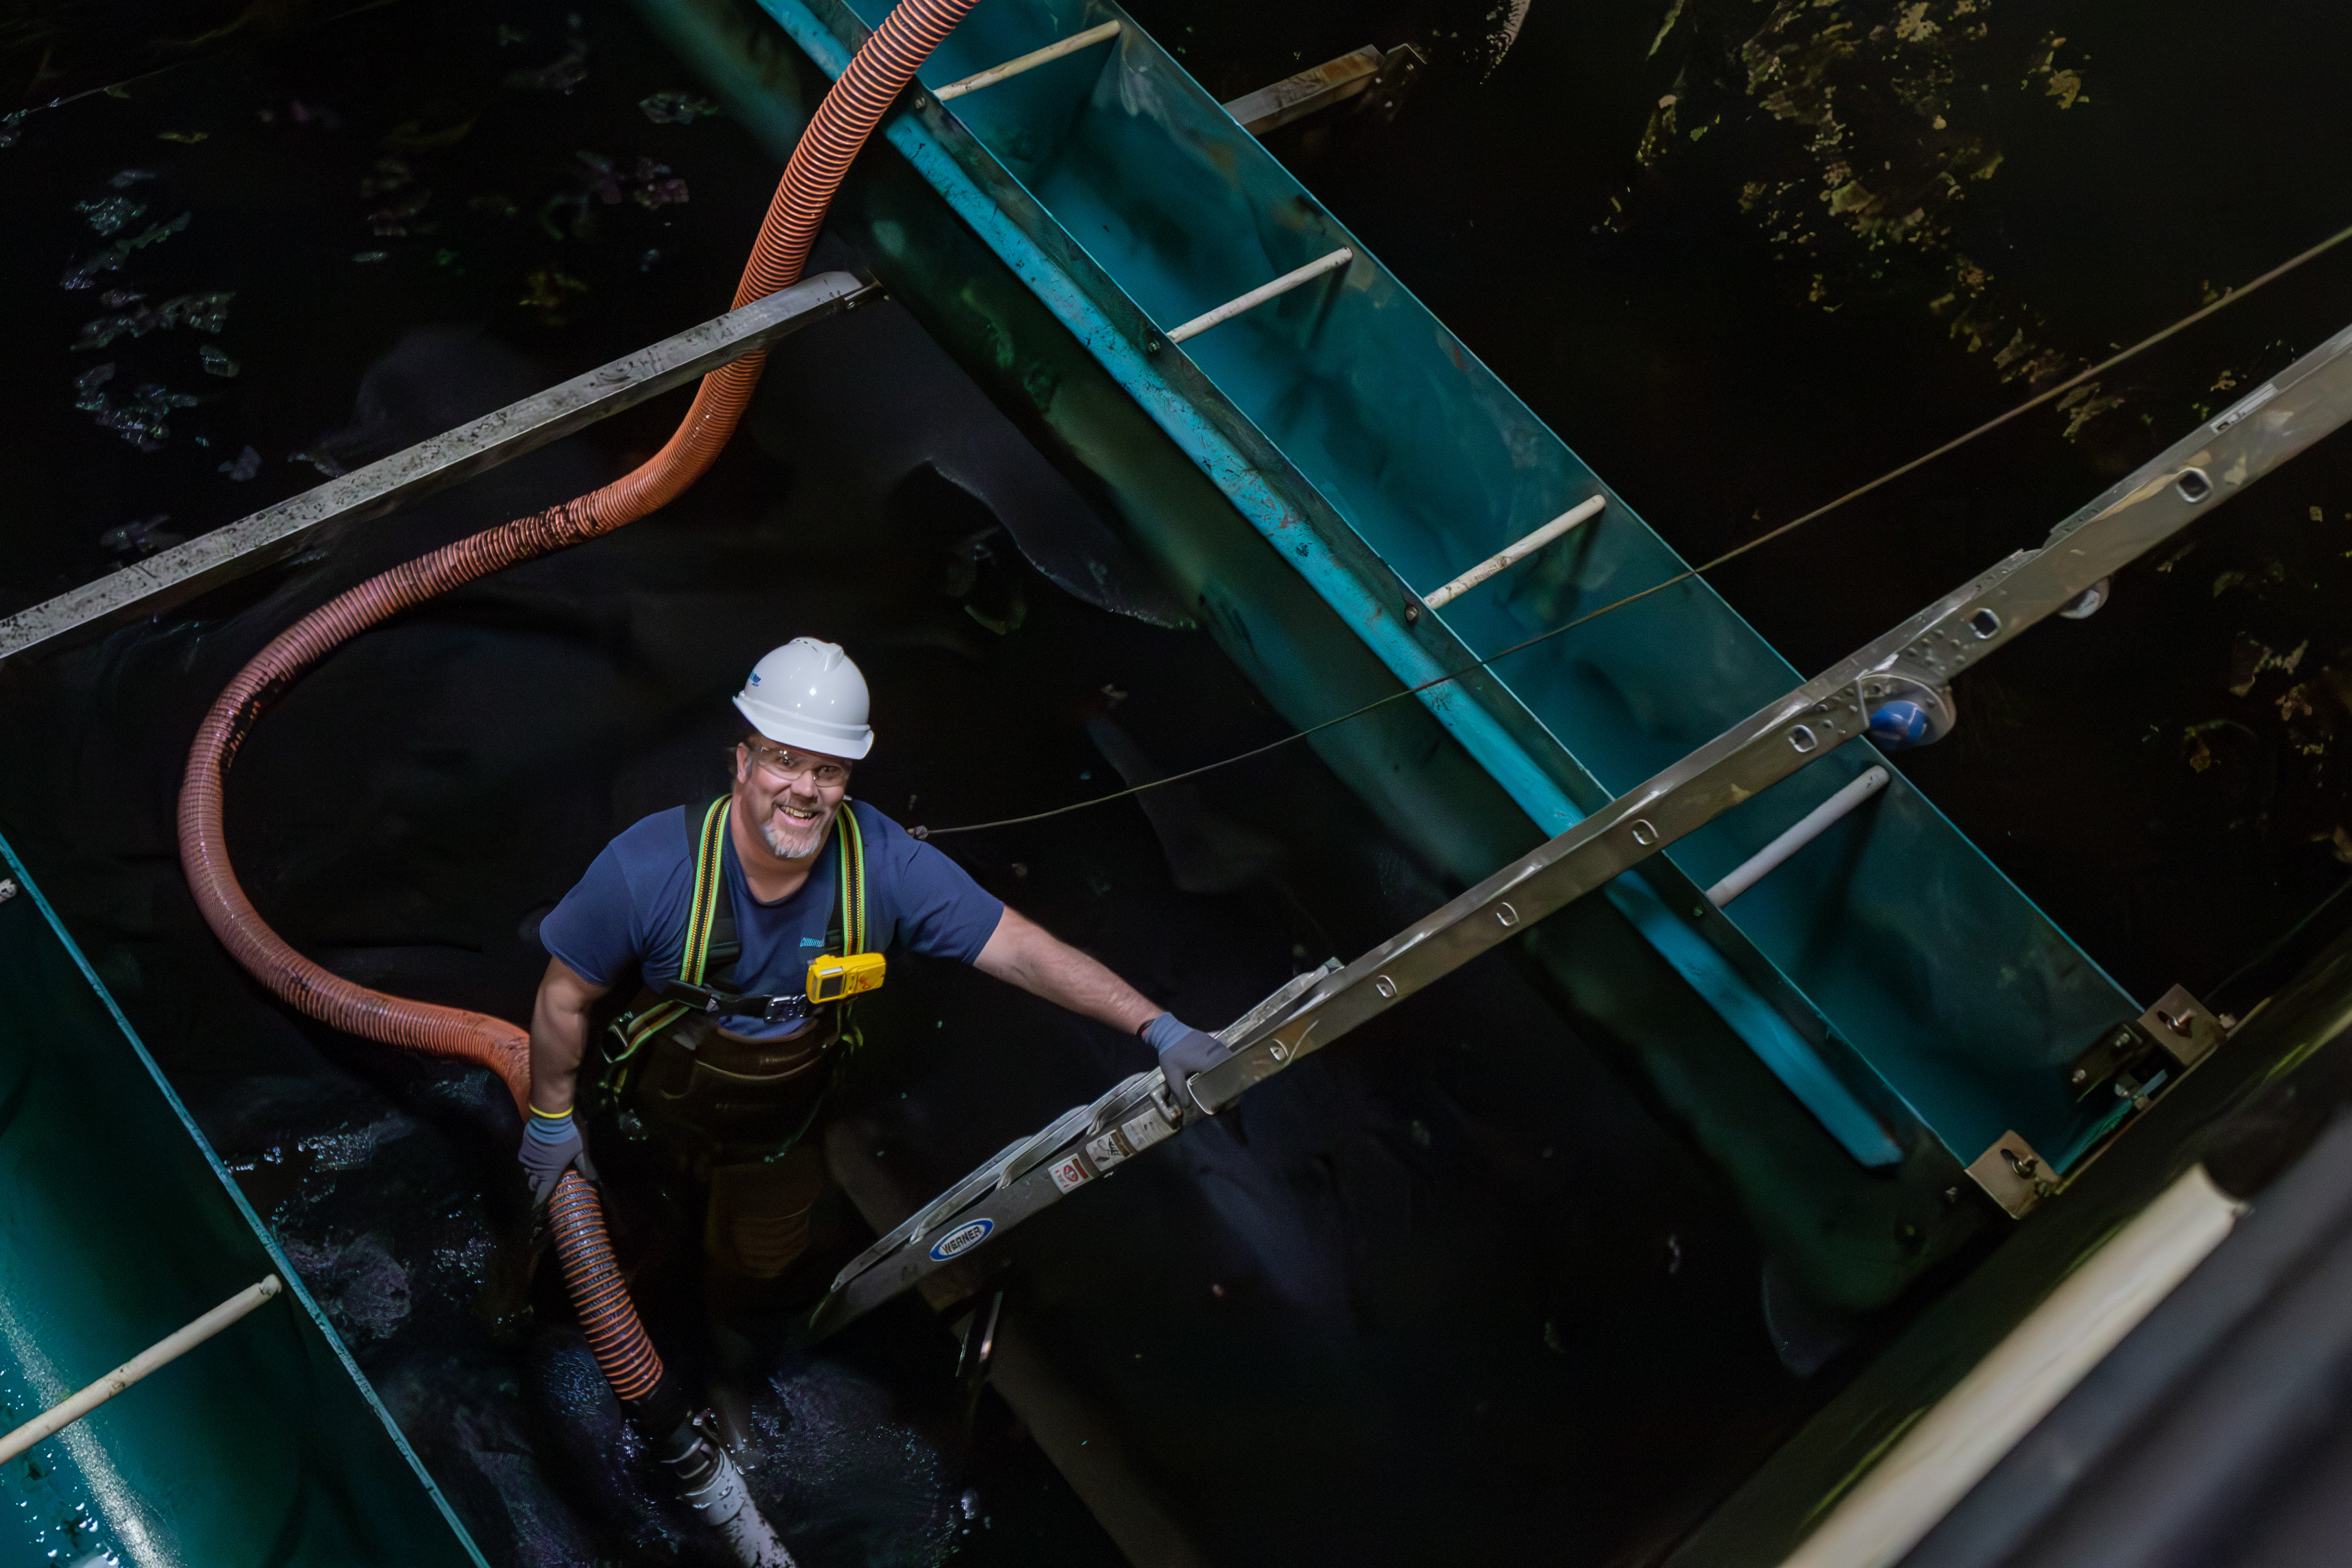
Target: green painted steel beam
265,1445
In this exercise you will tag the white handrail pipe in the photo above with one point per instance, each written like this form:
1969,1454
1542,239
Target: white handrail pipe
170,1348
1951,1447
1511,555
1262,293
1028,62
1809,827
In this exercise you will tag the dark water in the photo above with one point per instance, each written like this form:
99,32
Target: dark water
1466,1284
354,178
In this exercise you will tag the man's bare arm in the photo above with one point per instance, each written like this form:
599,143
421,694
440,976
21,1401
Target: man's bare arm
1026,955
559,1035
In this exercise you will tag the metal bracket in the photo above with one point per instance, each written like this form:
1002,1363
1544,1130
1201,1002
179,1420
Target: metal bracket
2177,1028
2182,1029
1400,71
2013,1175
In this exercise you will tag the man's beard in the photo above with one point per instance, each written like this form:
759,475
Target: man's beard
787,842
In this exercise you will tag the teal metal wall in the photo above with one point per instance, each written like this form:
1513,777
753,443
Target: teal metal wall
263,1446
1891,971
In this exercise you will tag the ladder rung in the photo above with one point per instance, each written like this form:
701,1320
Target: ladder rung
1262,293
1028,62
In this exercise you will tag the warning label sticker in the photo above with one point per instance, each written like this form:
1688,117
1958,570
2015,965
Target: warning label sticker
1071,1173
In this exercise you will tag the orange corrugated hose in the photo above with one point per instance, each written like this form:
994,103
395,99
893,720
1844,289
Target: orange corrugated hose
841,126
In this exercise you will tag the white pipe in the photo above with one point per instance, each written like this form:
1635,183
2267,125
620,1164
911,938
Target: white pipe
725,1504
1028,62
1511,555
1951,1446
163,1351
1809,827
1262,293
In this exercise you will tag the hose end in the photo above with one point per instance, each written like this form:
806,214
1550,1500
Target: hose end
709,1483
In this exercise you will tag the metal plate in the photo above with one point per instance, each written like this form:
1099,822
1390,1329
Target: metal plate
2014,1175
2181,1027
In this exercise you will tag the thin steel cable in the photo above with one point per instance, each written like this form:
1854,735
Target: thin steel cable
2077,379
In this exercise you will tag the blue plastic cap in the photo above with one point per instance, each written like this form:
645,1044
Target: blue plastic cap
1901,723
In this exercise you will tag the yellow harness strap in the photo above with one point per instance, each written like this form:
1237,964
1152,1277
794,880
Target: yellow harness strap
701,912
702,915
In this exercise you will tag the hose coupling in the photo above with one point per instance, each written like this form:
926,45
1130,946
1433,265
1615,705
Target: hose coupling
709,1483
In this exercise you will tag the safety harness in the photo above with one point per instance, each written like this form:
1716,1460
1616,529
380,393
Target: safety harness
704,985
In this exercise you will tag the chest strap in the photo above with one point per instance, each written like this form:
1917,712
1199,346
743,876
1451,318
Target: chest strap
705,982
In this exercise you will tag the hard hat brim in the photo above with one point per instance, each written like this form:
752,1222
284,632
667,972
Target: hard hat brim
850,742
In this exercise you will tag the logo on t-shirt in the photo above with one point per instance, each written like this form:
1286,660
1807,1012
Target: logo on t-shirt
812,941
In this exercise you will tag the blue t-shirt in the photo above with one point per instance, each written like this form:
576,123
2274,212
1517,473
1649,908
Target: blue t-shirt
631,908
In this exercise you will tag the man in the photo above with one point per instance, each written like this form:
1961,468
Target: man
726,1057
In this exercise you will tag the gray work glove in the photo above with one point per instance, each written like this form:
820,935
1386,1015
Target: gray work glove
1183,1050
551,1146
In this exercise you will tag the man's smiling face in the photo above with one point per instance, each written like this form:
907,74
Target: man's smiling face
790,795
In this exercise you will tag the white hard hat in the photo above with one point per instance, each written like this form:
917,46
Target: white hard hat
807,694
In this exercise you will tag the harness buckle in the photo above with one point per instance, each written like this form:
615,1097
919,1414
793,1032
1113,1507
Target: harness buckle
726,1004
702,999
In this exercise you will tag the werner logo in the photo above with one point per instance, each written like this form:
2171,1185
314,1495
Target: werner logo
962,1238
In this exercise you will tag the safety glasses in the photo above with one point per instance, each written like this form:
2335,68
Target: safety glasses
784,766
